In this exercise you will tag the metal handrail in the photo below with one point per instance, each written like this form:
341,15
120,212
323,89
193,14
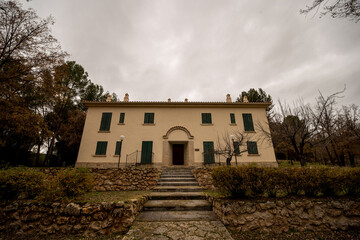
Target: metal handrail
132,159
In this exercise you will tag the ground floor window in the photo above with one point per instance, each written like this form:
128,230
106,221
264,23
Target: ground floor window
146,152
252,148
209,152
101,148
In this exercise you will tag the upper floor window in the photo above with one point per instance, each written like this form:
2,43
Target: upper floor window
248,122
149,118
252,148
206,118
232,118
105,122
101,148
122,118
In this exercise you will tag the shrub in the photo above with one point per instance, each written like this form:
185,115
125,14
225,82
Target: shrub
20,182
254,181
66,185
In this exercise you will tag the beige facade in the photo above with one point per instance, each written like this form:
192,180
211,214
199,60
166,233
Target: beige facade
176,136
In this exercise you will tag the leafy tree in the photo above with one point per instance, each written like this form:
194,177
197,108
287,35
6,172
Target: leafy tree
336,8
254,95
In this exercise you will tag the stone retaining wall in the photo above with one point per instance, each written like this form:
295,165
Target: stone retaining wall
25,219
203,177
125,178
134,178
282,215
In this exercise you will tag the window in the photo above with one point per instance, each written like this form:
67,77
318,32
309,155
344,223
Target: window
252,148
146,152
232,118
248,122
105,122
206,118
118,148
209,152
149,118
236,148
122,118
101,148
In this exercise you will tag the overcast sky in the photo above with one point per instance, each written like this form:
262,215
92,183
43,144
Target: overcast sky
202,50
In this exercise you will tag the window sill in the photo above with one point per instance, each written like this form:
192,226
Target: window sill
121,123
116,156
207,124
94,155
148,124
233,124
250,132
103,131
253,155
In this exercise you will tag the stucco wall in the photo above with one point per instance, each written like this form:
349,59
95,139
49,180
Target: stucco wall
135,131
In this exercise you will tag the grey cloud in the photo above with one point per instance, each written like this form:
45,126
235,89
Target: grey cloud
203,50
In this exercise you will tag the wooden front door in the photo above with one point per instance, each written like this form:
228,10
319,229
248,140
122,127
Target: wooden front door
178,154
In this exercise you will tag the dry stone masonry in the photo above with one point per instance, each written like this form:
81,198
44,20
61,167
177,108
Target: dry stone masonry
125,178
25,219
282,215
203,177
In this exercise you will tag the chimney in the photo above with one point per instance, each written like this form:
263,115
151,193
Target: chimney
245,100
126,98
169,100
228,98
108,99
186,100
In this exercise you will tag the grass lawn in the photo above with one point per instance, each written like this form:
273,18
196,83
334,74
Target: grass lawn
111,196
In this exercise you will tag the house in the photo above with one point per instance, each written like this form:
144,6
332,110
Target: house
118,134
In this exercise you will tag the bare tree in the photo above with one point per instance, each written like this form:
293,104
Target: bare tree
336,8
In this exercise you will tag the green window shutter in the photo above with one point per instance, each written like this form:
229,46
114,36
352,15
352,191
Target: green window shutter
232,118
146,152
101,148
236,148
248,122
149,118
206,118
209,152
118,148
252,148
105,122
122,117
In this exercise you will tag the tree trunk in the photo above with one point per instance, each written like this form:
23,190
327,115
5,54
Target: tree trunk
351,159
49,152
329,154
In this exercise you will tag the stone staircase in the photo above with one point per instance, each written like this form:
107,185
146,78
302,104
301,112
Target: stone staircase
177,209
177,197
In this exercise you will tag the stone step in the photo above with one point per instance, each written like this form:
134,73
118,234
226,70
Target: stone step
177,184
177,173
177,189
177,176
177,180
173,216
177,205
176,195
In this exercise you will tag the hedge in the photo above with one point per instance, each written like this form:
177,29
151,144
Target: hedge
29,183
248,181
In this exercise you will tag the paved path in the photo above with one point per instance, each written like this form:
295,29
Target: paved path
189,230
177,209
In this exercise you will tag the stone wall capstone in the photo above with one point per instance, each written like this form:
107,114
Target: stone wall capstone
29,218
282,215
